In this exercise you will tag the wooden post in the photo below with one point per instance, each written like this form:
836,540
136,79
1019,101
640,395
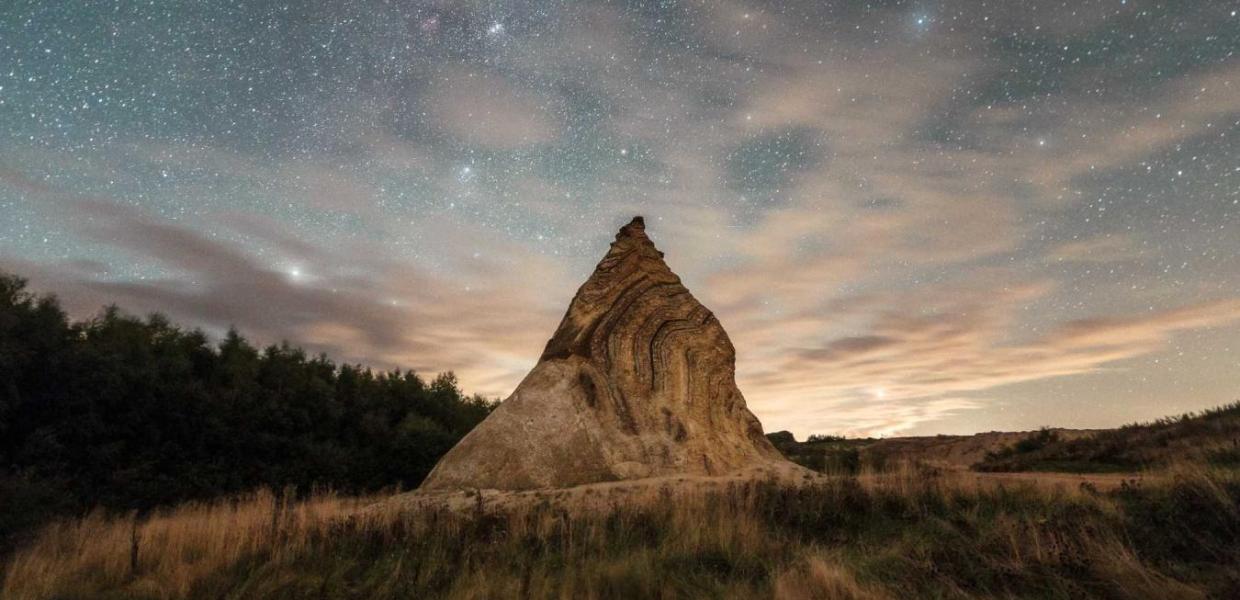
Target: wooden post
134,541
275,515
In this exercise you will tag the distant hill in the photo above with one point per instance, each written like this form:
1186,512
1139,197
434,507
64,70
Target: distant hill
1211,437
850,455
957,451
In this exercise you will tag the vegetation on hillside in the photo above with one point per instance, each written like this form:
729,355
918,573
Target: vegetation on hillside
839,455
131,414
1211,436
825,453
904,534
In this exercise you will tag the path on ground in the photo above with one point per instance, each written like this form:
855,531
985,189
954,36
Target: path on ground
1100,481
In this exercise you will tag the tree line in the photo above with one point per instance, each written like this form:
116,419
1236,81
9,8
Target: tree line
131,413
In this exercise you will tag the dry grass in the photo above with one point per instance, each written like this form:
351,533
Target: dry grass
819,578
905,533
165,555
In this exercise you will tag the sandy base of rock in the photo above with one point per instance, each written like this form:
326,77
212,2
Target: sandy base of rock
611,495
605,495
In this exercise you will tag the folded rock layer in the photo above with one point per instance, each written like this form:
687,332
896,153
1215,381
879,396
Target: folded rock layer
637,381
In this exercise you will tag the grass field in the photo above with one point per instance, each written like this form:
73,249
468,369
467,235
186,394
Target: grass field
907,533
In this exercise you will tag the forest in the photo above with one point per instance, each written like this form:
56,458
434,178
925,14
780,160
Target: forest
130,414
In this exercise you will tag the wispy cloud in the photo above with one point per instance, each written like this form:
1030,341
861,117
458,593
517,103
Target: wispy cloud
945,351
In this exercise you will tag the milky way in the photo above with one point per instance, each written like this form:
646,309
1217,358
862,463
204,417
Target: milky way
911,217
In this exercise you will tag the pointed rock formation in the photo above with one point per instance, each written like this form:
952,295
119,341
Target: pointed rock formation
638,381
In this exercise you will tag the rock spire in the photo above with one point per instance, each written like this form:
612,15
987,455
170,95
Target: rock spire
637,381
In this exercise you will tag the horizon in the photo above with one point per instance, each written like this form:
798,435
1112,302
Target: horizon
917,219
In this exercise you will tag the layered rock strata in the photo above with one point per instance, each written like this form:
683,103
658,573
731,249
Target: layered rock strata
637,381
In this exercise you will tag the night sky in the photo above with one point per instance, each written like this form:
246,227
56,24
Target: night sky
911,217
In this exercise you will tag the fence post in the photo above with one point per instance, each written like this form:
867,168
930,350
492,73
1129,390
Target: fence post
134,541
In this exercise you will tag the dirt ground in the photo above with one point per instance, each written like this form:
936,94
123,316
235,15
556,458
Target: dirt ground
1100,481
609,495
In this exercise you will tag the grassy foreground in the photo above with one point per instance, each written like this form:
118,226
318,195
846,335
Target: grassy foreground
910,533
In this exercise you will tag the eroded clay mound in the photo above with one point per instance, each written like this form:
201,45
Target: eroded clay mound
638,381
